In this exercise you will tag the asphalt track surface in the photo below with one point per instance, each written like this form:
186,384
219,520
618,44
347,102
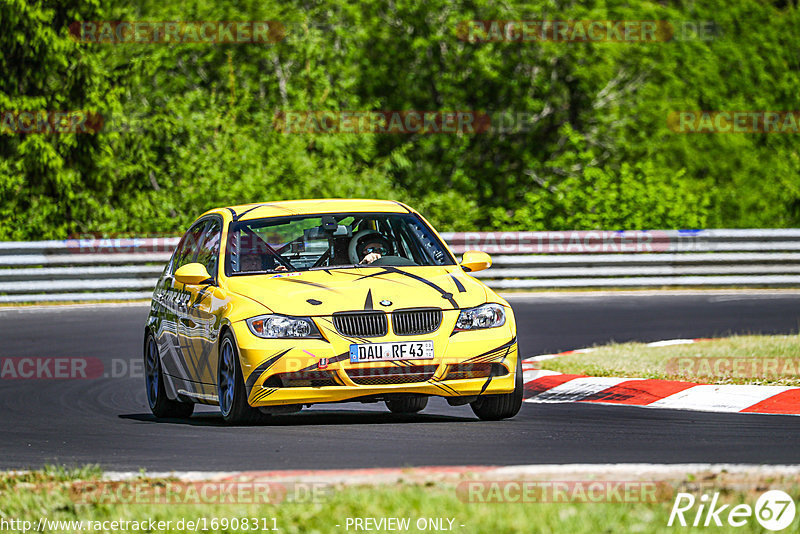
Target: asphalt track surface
106,421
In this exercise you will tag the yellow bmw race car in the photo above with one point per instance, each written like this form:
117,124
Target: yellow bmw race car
265,308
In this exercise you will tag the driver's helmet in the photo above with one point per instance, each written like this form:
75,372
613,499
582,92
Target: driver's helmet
369,242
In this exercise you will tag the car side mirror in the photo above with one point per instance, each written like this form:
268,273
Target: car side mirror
475,260
193,274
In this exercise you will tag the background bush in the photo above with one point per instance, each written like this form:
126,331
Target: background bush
194,124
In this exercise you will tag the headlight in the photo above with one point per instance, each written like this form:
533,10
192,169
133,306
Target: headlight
281,326
485,316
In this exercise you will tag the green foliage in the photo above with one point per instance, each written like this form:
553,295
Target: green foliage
193,126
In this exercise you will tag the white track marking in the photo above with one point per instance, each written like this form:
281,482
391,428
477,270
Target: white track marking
669,342
578,389
724,398
641,471
543,357
533,374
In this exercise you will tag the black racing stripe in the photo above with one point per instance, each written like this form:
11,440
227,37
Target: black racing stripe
441,383
459,285
258,395
444,293
399,204
368,302
305,282
483,358
495,357
379,273
374,275
508,351
264,394
489,380
506,345
382,277
486,385
447,389
245,212
258,371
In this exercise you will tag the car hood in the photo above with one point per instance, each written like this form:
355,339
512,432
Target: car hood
324,292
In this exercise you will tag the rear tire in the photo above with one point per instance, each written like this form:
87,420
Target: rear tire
230,390
496,407
407,404
161,405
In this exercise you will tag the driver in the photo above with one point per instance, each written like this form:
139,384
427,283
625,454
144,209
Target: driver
369,246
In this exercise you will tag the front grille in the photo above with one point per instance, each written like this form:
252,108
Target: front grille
416,322
305,379
461,371
360,324
392,375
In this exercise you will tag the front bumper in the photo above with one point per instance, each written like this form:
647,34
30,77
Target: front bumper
267,362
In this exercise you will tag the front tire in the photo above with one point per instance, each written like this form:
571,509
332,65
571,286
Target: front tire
161,405
231,391
503,406
407,404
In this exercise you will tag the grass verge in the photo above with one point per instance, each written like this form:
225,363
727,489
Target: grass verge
52,494
765,360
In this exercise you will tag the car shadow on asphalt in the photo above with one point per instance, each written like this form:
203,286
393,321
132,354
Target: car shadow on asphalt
311,418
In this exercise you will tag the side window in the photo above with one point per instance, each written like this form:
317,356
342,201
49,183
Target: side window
209,248
188,246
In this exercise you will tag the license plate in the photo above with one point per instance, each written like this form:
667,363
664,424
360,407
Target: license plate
399,350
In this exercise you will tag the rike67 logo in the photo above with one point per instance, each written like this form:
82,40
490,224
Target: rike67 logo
774,510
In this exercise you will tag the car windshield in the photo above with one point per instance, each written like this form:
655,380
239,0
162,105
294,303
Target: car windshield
331,241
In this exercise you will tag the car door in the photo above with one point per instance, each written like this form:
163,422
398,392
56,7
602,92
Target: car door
173,298
199,325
